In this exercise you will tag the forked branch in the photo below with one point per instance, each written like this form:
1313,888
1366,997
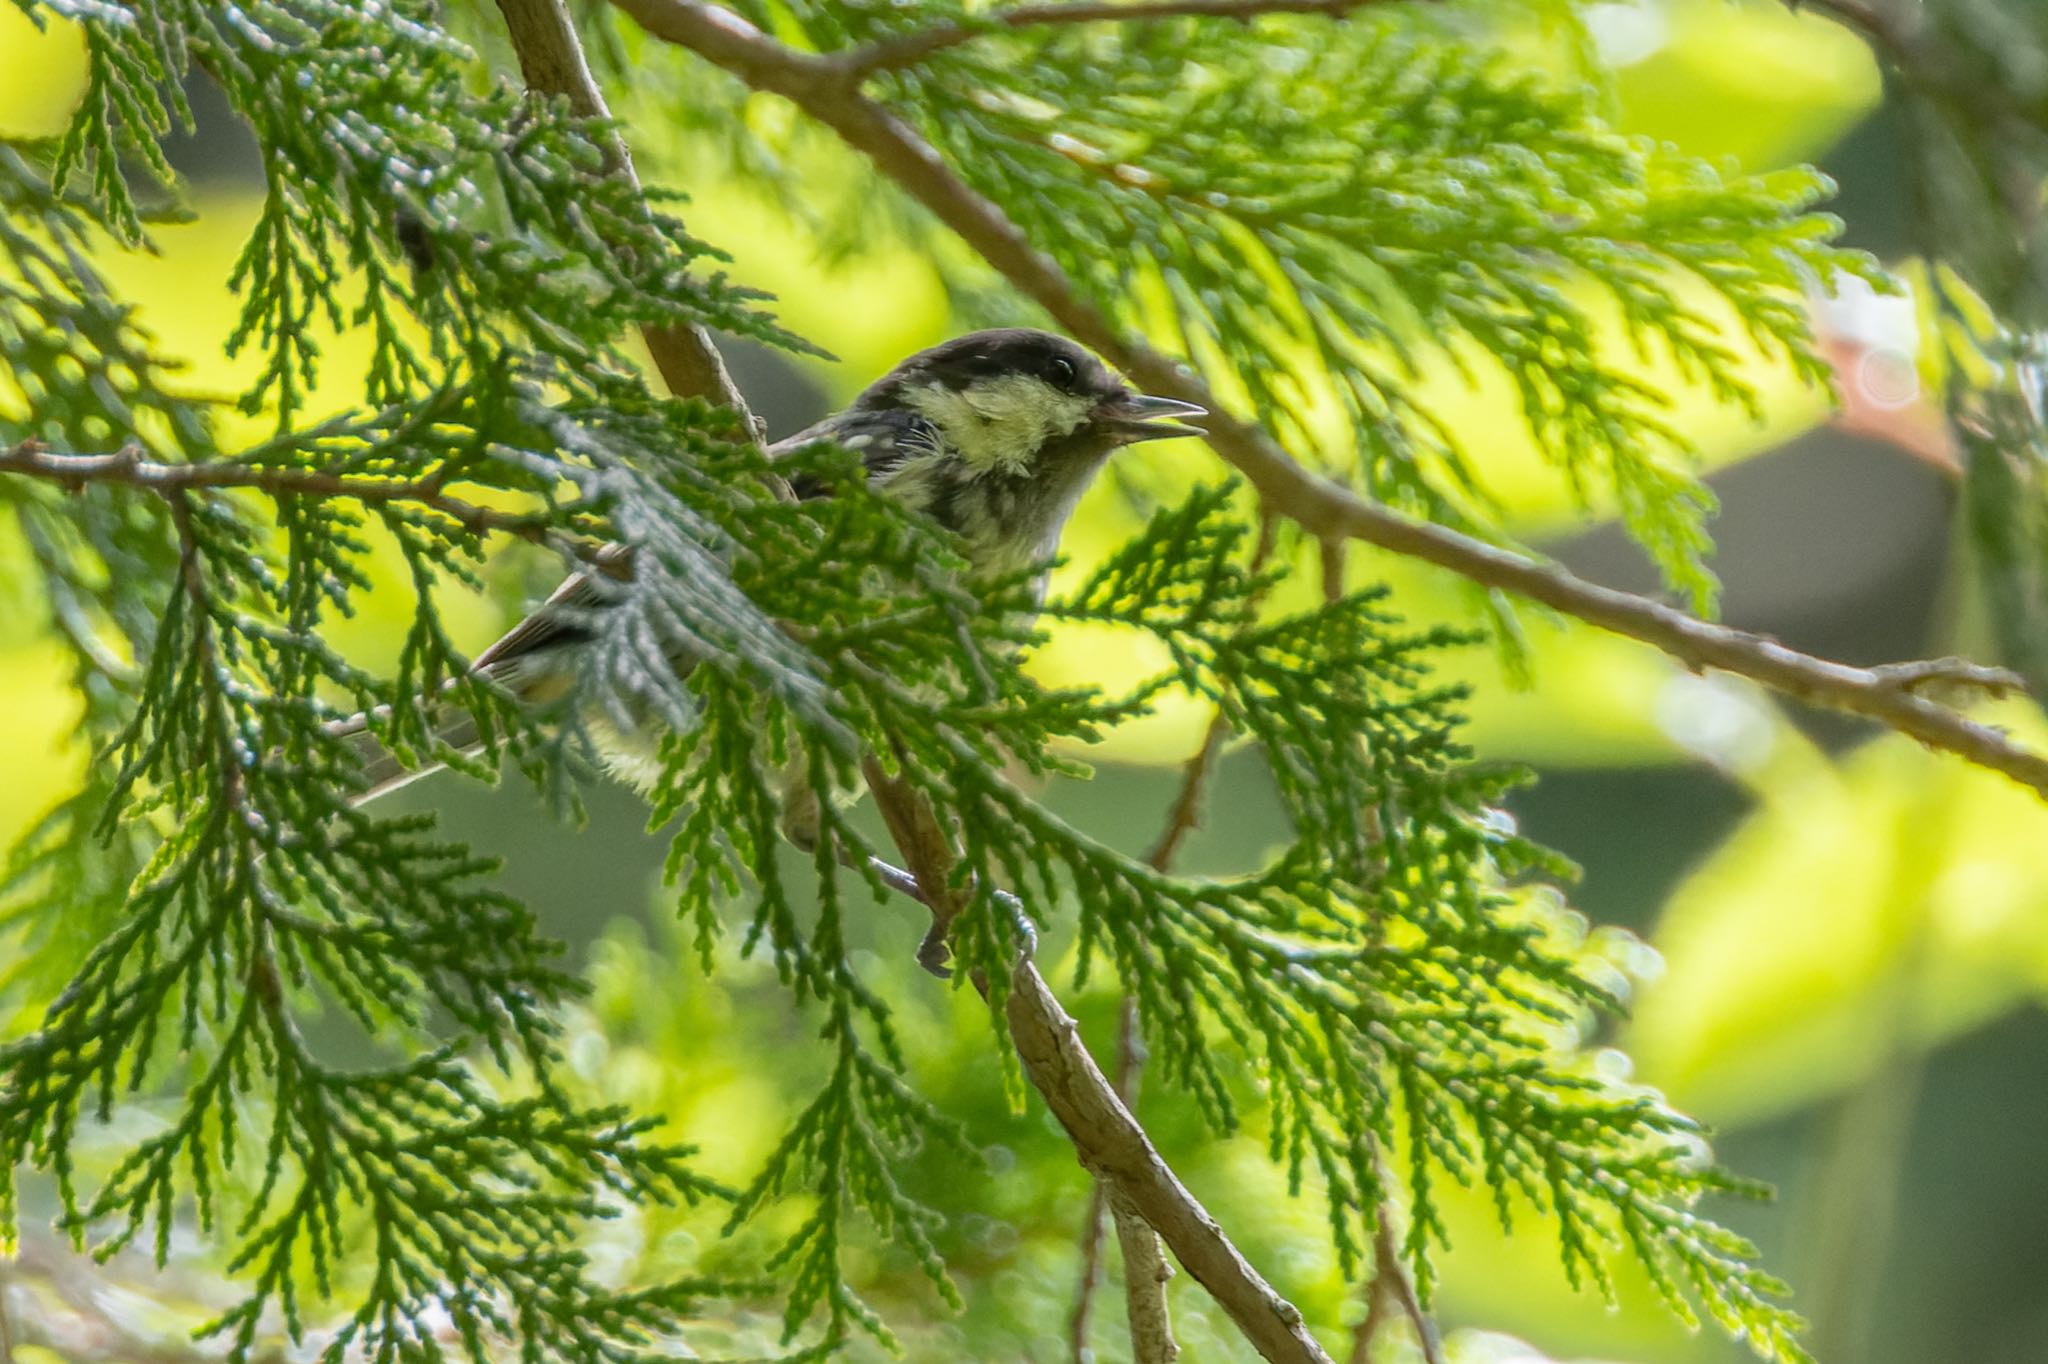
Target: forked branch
1115,1148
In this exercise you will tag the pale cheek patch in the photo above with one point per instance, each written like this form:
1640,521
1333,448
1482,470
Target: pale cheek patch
1001,423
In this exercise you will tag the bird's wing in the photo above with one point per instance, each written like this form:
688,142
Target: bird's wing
884,439
554,622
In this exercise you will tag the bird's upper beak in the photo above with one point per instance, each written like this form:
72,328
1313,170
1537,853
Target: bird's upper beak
1133,417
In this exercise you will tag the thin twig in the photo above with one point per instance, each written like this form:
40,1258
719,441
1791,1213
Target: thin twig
1388,1266
1081,1318
1390,1292
1130,1065
1330,558
127,468
1185,815
551,58
893,54
1320,506
1146,1275
1380,1308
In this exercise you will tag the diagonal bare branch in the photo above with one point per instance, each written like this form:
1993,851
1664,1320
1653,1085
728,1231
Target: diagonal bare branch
1110,1143
1322,507
1107,1139
551,58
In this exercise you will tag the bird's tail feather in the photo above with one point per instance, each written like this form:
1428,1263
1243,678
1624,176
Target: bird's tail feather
453,728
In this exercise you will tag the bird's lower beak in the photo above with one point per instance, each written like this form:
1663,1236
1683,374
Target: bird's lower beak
1134,417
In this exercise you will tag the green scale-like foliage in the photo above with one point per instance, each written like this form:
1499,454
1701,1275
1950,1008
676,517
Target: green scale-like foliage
1389,996
1480,202
1351,202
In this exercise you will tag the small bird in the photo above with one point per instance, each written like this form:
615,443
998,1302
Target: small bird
995,435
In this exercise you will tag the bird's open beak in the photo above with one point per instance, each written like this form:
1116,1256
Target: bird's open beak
1133,417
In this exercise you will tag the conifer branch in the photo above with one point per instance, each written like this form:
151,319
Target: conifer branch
1183,817
822,631
1092,1235
551,58
127,468
1319,505
893,54
1101,1126
1390,1284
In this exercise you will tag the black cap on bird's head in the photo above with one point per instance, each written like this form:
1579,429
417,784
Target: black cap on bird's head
1004,397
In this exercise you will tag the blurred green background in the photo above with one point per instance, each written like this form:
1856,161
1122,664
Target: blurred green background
1851,934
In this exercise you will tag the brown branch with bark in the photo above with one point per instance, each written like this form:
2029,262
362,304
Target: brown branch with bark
1107,1139
1130,1065
1146,1275
828,93
551,59
127,468
1115,1148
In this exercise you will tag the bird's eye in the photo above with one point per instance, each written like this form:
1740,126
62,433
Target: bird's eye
1060,370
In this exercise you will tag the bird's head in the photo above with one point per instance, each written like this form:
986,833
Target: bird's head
1021,402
